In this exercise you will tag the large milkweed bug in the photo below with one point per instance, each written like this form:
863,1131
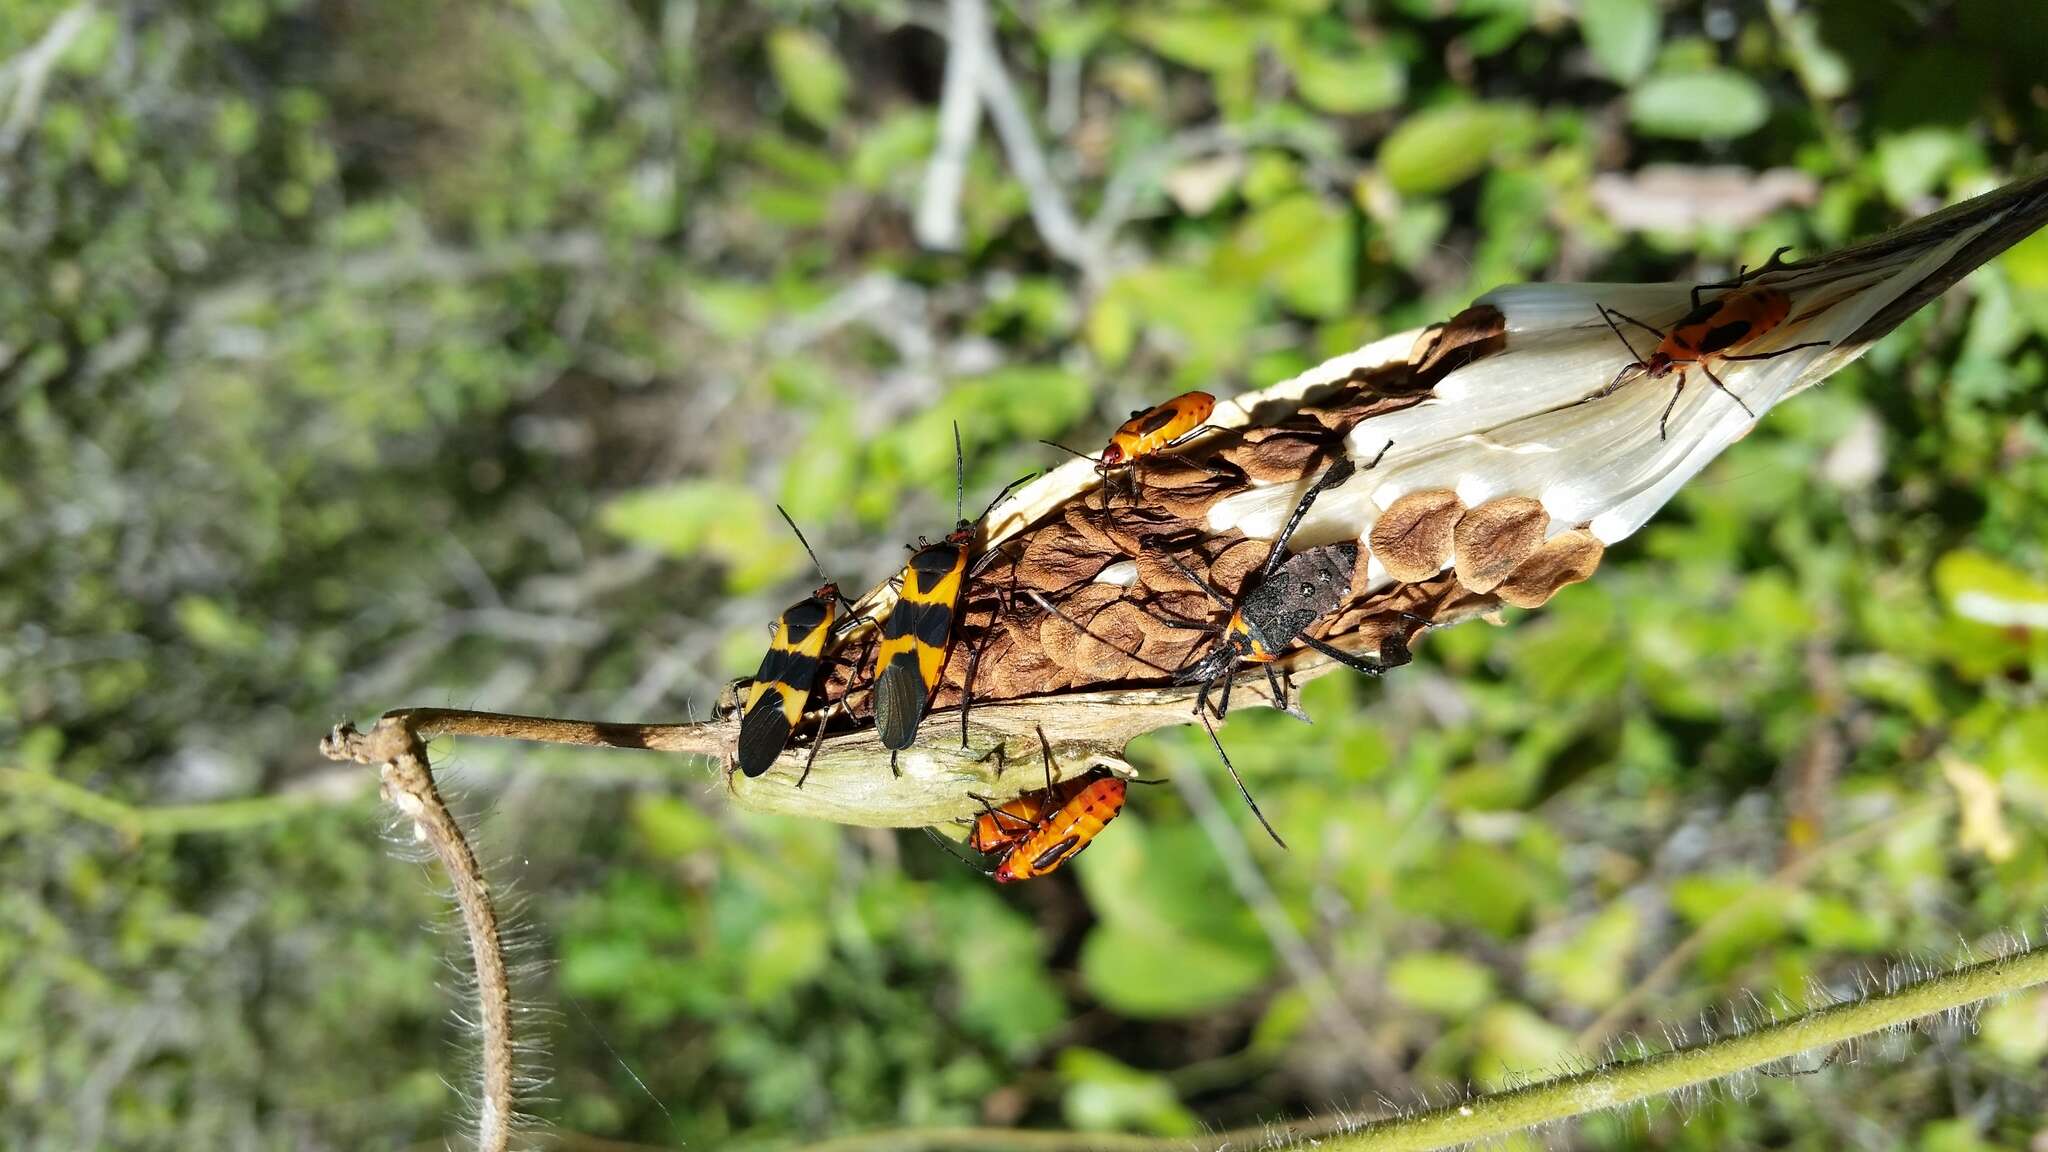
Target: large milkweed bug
919,629
775,702
1147,432
1712,331
1033,834
1283,600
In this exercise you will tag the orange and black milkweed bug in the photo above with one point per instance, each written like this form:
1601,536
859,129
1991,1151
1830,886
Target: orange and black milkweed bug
918,630
775,702
1061,833
1712,331
1147,432
1033,834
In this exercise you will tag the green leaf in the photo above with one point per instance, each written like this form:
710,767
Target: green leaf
1218,42
2016,1029
1106,1095
670,828
1301,246
1440,982
1014,1003
1161,974
1111,329
1513,1045
1369,80
1911,164
1590,968
809,74
727,522
1621,35
785,954
1437,150
1989,591
1715,104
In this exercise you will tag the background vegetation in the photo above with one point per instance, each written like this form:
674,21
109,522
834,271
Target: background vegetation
361,353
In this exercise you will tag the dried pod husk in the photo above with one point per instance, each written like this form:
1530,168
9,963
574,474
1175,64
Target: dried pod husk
1502,459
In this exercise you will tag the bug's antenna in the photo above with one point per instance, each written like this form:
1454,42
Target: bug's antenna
959,477
1070,451
806,543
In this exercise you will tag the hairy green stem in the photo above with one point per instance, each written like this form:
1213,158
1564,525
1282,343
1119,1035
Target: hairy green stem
1626,1082
1609,1086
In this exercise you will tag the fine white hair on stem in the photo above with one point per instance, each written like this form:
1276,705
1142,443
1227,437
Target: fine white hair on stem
408,787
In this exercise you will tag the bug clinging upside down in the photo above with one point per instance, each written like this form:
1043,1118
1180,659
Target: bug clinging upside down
1033,834
1712,331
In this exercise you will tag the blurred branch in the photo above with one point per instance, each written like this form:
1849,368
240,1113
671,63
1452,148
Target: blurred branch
408,786
29,74
135,822
938,212
974,76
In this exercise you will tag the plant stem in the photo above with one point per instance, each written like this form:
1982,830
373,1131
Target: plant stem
1609,1086
1626,1082
136,822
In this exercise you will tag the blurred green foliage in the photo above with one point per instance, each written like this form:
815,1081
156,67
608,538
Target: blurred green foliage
364,354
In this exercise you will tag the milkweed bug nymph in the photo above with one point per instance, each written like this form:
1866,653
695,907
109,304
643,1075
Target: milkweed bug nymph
1149,431
1033,834
1061,834
1711,332
919,629
1281,602
775,702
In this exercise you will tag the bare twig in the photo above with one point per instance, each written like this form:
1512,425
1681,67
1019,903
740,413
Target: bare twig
938,212
974,76
1056,224
29,74
408,786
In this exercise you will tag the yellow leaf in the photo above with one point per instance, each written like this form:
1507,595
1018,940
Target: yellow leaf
1980,811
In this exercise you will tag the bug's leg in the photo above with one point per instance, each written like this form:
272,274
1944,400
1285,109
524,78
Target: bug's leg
1774,263
1045,749
1277,683
1379,456
1664,421
1773,355
1340,470
942,842
1222,708
817,742
1628,372
1354,661
967,693
1239,781
1704,367
1204,585
893,769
